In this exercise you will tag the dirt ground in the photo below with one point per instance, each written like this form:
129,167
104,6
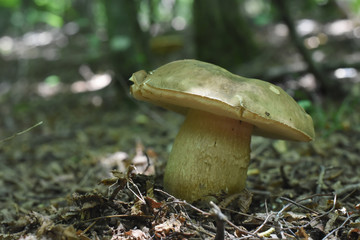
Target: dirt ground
67,172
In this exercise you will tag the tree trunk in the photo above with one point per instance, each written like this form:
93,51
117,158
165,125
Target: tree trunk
128,44
222,34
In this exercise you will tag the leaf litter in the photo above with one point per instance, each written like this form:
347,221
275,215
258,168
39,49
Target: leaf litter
96,174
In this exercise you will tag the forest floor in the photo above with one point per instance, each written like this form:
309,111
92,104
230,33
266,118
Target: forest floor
71,177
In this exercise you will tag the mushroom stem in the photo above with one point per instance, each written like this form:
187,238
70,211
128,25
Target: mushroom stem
210,155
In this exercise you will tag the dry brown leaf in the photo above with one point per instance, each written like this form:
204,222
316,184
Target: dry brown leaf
144,163
153,203
291,216
137,234
136,209
354,234
171,225
301,233
117,159
330,223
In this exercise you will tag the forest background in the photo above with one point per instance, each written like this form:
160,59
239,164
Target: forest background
65,106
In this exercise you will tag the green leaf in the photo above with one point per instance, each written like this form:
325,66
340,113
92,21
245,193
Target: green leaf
52,80
9,3
52,19
120,43
305,104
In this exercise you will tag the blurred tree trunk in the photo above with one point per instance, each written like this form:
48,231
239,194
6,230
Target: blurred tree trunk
5,24
322,84
222,34
128,44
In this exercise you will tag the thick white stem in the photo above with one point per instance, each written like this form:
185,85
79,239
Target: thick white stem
210,155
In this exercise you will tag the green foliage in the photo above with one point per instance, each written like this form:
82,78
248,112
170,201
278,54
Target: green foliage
99,14
305,104
260,11
331,117
9,3
50,18
355,6
164,14
120,43
56,7
38,11
52,80
93,46
51,12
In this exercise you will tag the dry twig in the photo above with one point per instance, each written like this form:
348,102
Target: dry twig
341,226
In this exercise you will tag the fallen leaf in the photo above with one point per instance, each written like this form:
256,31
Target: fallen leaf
169,226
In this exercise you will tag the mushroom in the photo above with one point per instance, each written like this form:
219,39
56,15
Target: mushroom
211,152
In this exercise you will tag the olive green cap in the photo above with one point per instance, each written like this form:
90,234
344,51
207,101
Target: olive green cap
185,84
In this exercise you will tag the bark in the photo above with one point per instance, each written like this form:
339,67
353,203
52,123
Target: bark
123,24
222,34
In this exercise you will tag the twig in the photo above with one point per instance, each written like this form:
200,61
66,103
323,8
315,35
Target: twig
288,228
292,202
260,192
266,207
147,162
348,195
22,132
88,228
208,214
117,187
201,230
223,218
326,213
175,200
298,205
220,218
336,229
242,214
281,229
120,184
317,217
259,149
183,202
348,188
263,224
118,216
139,196
320,182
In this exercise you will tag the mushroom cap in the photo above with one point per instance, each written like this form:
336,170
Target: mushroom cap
185,84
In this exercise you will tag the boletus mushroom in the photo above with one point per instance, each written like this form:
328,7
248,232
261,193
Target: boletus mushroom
211,152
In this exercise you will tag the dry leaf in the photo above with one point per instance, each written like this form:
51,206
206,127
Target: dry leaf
301,233
117,159
169,226
136,234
